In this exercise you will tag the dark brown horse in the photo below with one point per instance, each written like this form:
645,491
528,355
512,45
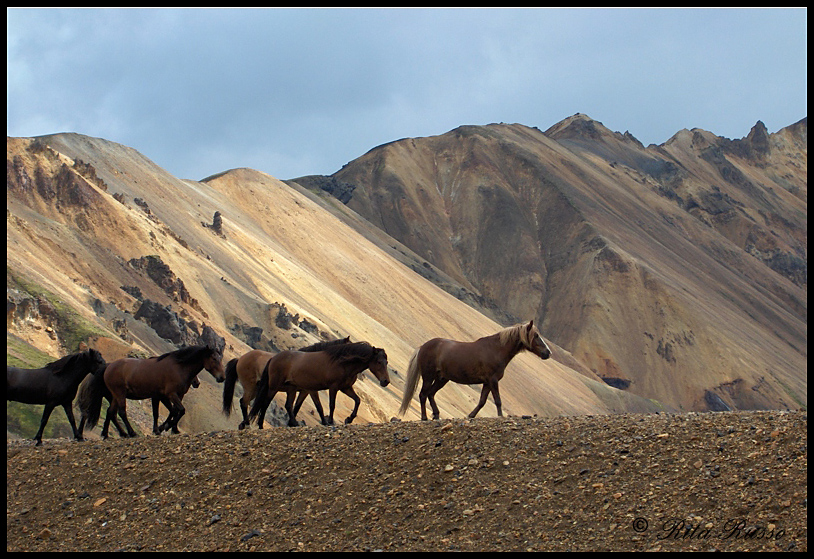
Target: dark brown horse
165,378
483,361
54,385
248,368
82,402
333,369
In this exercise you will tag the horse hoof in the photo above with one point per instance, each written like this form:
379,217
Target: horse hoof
241,427
348,420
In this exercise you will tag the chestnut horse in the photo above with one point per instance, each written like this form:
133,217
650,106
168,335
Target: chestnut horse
248,368
334,368
54,385
165,378
483,361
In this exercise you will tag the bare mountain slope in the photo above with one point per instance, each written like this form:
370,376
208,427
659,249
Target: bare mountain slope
89,221
677,272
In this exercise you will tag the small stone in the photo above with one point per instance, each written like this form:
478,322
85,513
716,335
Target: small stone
44,534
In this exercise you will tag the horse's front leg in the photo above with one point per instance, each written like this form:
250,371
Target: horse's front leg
177,411
77,434
496,398
123,416
156,429
331,405
112,409
318,406
356,401
46,413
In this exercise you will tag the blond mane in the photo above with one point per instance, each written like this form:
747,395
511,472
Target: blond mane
517,334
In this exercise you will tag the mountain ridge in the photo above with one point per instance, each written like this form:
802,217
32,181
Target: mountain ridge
280,255
513,222
717,203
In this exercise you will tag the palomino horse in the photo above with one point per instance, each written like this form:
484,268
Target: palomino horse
165,378
53,385
334,368
248,368
483,361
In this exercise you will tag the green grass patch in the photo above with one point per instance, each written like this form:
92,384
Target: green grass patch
71,327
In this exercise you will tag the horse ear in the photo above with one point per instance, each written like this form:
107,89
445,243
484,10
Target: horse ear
531,325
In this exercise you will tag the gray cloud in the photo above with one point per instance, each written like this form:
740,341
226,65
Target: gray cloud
293,92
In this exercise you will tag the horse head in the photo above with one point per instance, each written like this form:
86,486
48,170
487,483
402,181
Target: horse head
97,363
534,342
212,363
378,366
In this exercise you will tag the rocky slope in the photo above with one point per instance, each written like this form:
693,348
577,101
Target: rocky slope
712,481
130,257
676,272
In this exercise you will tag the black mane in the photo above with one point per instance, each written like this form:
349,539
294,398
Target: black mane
361,351
322,346
69,362
190,354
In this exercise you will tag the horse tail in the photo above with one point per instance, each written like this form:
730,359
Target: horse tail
89,398
229,386
410,384
261,400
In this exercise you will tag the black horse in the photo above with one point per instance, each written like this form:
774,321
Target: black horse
53,385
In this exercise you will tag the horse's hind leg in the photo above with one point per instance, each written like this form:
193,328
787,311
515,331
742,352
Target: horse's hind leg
431,390
244,408
289,407
46,413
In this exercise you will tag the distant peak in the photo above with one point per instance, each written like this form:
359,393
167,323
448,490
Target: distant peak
758,137
577,126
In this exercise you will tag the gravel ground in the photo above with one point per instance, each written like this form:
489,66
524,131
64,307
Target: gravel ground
715,481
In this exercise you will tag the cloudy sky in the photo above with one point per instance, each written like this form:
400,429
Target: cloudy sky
304,91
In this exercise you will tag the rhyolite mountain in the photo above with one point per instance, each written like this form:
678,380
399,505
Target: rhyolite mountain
666,277
677,272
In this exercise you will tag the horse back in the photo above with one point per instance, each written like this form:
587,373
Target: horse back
305,370
138,379
250,366
461,362
29,386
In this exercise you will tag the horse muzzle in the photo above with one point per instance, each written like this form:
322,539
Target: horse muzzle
384,382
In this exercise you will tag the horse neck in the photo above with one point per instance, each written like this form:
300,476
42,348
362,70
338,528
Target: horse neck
354,367
189,370
508,350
